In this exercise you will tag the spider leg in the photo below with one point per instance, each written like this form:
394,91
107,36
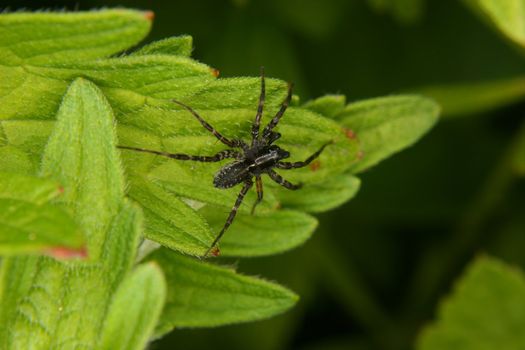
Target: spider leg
281,181
218,135
257,123
275,120
180,156
259,187
247,185
290,165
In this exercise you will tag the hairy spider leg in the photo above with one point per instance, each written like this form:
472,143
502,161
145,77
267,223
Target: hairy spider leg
281,181
275,120
293,165
257,122
218,135
180,156
259,188
247,185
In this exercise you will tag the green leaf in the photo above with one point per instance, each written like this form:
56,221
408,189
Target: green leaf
322,196
139,88
179,45
475,98
43,301
329,105
230,104
27,227
126,81
93,182
204,295
264,234
508,16
170,221
135,309
28,188
14,160
485,312
387,125
42,38
28,223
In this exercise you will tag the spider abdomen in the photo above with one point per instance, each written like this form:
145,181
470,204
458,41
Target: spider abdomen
232,174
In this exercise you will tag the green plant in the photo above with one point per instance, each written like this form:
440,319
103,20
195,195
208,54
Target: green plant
485,310
66,189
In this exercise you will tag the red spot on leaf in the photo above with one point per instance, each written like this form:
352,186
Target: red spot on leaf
60,190
215,72
215,251
350,133
67,253
149,15
315,165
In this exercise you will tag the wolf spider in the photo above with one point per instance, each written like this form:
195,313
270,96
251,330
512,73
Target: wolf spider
258,157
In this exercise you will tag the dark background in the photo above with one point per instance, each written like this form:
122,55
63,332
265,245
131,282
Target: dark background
377,267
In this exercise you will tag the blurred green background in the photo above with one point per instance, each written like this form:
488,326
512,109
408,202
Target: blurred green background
377,267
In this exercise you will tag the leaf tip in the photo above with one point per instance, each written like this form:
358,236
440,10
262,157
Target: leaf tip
215,251
149,15
215,72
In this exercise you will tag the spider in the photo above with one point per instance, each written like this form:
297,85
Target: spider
251,160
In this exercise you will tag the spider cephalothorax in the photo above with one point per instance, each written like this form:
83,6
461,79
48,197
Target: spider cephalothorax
252,160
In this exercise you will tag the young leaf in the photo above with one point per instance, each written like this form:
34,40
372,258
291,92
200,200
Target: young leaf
474,98
387,125
41,38
170,221
321,196
204,295
508,16
264,234
135,309
93,183
179,45
486,311
59,289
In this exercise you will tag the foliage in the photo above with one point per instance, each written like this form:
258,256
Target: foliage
66,100
463,324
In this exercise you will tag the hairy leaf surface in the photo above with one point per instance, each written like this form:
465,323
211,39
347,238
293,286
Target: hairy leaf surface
135,309
43,301
261,234
204,295
387,125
